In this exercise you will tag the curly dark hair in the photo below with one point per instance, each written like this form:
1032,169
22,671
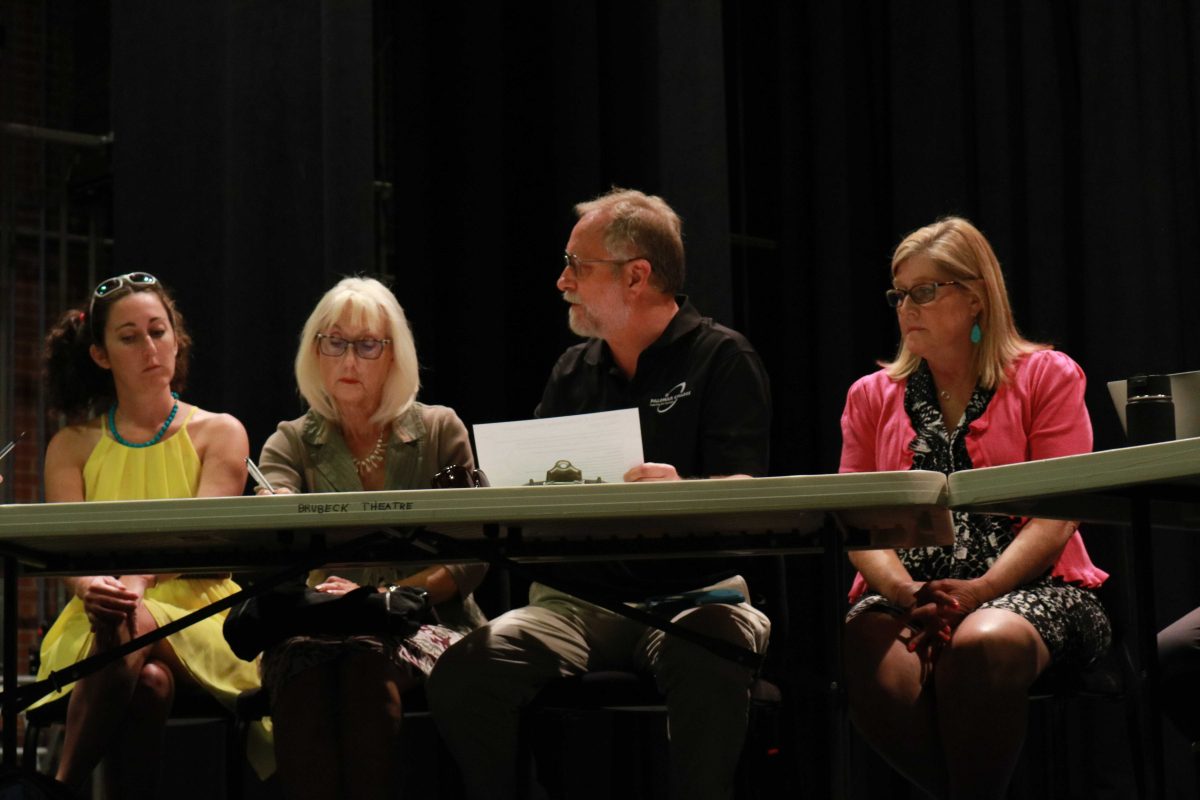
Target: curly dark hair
78,387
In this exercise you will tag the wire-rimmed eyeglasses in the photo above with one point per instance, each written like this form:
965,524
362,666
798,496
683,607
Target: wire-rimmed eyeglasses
921,294
336,346
572,262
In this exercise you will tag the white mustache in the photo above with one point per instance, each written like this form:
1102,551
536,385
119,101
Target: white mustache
570,297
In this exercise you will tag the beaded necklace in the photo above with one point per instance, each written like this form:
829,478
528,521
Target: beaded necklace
112,425
372,459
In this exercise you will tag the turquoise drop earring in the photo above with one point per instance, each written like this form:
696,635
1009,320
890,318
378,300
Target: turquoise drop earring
976,334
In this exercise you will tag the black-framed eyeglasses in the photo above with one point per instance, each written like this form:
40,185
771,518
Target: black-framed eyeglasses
921,294
572,262
336,346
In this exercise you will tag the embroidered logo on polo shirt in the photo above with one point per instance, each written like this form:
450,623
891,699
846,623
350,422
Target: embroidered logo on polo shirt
665,403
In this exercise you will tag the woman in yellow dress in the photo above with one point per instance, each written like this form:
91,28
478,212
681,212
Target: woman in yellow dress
115,370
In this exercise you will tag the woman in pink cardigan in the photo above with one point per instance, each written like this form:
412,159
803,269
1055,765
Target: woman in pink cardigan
943,643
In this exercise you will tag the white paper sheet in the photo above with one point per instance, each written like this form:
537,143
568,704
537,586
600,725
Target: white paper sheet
603,445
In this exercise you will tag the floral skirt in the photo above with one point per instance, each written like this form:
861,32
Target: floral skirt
413,655
1069,619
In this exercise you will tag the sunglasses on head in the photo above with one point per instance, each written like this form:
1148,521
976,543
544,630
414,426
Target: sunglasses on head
110,285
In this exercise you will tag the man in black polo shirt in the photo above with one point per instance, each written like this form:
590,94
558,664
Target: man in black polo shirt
703,400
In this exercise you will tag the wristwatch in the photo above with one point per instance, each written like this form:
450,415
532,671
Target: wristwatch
419,591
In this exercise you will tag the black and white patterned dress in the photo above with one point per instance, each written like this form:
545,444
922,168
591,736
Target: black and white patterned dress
1069,619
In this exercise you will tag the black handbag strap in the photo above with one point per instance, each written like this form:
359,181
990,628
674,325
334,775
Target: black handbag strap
431,543
443,545
26,695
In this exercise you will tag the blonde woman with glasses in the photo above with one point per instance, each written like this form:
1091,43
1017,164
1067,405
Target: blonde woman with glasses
336,702
943,643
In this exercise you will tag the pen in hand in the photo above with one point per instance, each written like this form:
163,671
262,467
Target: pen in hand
9,447
259,478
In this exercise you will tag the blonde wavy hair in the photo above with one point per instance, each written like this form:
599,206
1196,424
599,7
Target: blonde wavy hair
371,304
961,251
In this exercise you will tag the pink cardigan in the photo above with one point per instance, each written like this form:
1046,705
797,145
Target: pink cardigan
1037,413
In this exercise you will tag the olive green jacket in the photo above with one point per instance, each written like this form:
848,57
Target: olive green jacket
309,455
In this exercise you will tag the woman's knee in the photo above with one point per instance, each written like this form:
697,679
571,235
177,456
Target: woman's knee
154,691
998,649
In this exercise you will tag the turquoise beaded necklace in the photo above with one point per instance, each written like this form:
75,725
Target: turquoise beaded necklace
112,425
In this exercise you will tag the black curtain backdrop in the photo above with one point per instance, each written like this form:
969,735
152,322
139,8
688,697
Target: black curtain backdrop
504,116
263,149
243,178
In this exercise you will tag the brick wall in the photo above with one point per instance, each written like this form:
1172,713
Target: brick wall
46,271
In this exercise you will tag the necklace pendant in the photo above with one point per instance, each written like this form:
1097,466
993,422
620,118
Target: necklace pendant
374,458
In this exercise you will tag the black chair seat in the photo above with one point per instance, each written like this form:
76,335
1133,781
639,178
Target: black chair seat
1103,678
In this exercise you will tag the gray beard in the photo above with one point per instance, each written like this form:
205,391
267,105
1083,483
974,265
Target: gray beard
582,325
611,316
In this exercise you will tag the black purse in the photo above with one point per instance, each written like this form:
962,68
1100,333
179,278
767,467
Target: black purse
294,609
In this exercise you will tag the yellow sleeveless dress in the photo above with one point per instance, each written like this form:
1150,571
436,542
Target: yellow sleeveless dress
170,468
